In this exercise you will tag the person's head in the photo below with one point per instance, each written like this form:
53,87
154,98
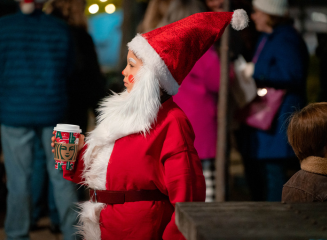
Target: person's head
28,6
154,13
307,131
71,11
215,5
179,9
133,66
269,13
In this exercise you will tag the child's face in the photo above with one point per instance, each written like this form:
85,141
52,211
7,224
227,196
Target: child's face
133,66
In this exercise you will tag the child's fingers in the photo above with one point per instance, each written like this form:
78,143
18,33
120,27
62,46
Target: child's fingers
81,142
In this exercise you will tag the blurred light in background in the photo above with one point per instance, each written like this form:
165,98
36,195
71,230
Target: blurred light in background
319,17
94,8
262,92
110,8
102,4
105,30
105,18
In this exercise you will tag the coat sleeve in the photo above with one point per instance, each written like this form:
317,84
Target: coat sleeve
294,195
76,174
185,183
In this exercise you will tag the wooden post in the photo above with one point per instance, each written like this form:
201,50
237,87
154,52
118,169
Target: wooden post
221,154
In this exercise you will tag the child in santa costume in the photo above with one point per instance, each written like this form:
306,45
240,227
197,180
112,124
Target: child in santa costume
140,159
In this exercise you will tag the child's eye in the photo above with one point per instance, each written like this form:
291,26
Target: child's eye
131,65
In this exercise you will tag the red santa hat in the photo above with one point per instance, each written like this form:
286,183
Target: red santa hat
172,50
27,6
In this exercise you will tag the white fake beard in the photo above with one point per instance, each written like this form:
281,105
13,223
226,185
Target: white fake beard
121,115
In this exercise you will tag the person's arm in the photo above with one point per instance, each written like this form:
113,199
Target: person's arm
185,183
151,18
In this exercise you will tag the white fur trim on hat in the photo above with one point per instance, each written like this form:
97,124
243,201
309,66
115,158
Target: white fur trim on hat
273,7
151,59
240,19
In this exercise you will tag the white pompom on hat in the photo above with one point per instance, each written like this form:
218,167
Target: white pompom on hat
272,7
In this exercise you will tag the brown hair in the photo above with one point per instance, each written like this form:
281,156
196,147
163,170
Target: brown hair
72,11
307,131
278,20
179,9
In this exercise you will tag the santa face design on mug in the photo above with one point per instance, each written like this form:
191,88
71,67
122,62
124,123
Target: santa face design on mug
65,152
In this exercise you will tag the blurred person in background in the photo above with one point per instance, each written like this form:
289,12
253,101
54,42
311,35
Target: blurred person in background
179,9
155,12
86,83
42,191
280,62
35,62
214,5
6,7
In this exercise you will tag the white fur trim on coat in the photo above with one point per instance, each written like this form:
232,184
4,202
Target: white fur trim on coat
120,115
88,224
151,59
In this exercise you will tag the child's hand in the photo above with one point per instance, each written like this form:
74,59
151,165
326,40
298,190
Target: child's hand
80,142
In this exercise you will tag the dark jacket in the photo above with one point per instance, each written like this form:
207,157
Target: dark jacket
86,84
282,64
309,184
35,60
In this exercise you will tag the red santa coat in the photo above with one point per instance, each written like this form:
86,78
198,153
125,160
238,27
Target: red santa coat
164,159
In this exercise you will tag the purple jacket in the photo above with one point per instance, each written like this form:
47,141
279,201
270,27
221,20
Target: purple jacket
197,97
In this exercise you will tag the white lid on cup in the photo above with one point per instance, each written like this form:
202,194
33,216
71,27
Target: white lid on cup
67,128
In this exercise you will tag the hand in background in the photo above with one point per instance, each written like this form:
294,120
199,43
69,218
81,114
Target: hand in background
80,142
248,70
